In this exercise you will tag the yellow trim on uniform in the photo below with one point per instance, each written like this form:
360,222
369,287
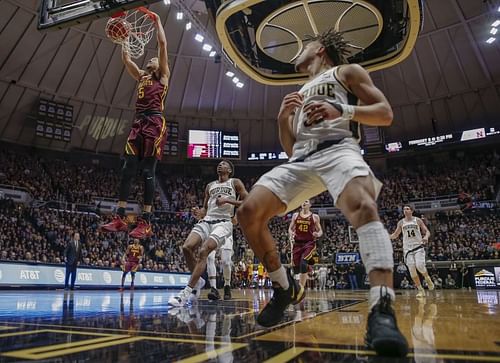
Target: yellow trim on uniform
159,138
310,255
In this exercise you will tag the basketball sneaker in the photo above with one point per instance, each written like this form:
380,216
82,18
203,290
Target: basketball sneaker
213,294
420,293
227,292
142,230
273,312
430,284
118,224
180,300
382,332
197,289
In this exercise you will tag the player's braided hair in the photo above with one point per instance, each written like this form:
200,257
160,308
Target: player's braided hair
336,46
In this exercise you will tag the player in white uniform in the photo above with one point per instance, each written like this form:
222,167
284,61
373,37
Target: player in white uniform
318,132
413,247
214,225
226,254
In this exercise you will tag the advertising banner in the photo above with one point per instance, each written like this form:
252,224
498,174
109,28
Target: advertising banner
20,274
346,258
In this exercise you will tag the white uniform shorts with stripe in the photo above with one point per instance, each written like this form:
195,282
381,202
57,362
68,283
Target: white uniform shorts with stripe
415,259
329,169
217,231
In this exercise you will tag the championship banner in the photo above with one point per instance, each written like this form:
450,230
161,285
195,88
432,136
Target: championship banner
24,274
346,258
484,277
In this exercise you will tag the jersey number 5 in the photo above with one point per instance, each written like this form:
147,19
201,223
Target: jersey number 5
140,93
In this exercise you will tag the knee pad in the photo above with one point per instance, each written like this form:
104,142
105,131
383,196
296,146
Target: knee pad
375,247
132,273
296,270
226,255
211,270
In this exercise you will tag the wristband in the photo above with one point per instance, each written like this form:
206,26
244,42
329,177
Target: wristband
347,111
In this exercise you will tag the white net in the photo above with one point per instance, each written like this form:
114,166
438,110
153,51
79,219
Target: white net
132,29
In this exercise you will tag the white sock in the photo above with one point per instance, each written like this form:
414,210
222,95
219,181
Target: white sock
280,277
226,271
375,247
213,282
376,292
188,289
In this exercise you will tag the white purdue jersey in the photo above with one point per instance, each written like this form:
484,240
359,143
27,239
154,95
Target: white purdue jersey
324,86
412,237
224,189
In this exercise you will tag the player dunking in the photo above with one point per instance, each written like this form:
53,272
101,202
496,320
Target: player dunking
318,132
131,261
304,229
221,196
413,247
147,137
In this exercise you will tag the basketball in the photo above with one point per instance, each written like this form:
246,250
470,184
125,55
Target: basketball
118,29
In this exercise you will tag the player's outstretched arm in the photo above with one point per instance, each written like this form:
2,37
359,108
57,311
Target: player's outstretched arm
373,109
162,51
241,191
397,232
130,65
291,228
424,229
291,103
317,223
200,213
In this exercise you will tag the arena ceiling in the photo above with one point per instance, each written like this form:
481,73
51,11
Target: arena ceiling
452,76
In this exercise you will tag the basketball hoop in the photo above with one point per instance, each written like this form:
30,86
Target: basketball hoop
132,29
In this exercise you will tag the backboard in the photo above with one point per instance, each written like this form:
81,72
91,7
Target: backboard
59,14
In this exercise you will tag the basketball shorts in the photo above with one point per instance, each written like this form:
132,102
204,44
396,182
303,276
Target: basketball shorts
416,258
217,231
303,251
131,267
329,169
147,137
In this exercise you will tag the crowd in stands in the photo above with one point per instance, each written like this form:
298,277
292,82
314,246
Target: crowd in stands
40,234
60,180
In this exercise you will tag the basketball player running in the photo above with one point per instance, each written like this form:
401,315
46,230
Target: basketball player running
221,196
133,257
304,229
147,137
226,252
413,247
316,131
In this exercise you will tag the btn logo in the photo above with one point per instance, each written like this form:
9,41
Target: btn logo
144,279
107,277
59,275
171,279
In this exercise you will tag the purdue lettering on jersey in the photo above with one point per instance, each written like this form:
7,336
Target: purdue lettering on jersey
412,237
324,87
224,189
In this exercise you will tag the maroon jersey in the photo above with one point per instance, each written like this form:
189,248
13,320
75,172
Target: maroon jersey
304,228
150,94
134,253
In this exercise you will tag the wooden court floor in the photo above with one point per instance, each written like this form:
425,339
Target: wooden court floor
108,326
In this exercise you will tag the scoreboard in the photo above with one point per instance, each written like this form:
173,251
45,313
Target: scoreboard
54,120
213,144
